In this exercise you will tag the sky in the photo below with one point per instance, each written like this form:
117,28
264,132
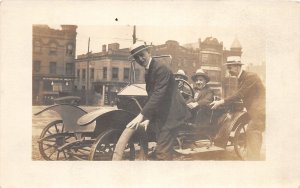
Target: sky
183,22
252,39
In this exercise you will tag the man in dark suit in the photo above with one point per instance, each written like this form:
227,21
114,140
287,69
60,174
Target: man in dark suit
204,95
165,106
252,91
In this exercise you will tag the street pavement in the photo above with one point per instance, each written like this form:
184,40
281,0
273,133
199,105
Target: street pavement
40,121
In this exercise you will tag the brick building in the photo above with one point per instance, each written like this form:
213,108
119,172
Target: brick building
53,57
109,72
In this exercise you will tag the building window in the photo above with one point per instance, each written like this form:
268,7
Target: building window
215,76
69,50
37,47
52,68
78,74
83,75
92,73
115,73
53,49
204,58
137,75
69,69
104,72
36,66
126,73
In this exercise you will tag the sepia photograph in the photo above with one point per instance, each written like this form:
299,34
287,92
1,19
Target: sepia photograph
84,103
149,94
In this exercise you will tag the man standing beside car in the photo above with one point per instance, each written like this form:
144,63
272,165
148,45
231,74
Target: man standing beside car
165,106
252,91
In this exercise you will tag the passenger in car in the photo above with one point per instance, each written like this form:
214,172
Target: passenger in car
199,105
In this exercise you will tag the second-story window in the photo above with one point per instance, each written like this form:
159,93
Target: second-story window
36,66
52,68
83,74
204,58
126,73
104,72
69,69
37,47
115,73
78,74
69,50
53,49
92,73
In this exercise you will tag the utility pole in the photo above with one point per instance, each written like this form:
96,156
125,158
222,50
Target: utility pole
134,35
87,74
133,64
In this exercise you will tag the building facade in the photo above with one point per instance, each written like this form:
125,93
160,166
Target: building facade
209,55
100,76
109,71
53,57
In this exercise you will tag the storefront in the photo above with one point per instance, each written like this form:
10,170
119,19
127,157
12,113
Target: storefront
108,90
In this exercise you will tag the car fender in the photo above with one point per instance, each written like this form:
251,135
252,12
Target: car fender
106,119
69,115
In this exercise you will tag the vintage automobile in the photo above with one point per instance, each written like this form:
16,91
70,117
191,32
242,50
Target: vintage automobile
102,134
227,128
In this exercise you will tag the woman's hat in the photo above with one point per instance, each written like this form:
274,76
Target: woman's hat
138,47
234,60
180,72
200,72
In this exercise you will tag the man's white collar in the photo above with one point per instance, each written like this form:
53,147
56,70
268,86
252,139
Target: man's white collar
148,65
240,74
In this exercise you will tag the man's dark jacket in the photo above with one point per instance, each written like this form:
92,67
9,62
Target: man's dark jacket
252,91
165,105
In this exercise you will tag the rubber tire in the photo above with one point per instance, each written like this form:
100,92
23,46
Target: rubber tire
102,138
123,141
236,141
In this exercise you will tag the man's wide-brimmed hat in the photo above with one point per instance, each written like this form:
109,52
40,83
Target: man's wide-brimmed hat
200,72
138,47
234,60
180,72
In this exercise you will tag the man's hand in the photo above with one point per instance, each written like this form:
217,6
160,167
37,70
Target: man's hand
145,124
192,105
135,122
216,104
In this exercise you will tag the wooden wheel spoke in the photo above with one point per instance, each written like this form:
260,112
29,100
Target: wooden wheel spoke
57,130
49,146
52,153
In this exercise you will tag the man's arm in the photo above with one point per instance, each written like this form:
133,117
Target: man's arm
162,78
248,84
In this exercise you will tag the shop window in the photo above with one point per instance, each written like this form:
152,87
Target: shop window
52,68
115,73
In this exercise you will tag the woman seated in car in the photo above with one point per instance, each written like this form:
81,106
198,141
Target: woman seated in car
204,95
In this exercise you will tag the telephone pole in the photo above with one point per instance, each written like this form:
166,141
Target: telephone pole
134,35
87,74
